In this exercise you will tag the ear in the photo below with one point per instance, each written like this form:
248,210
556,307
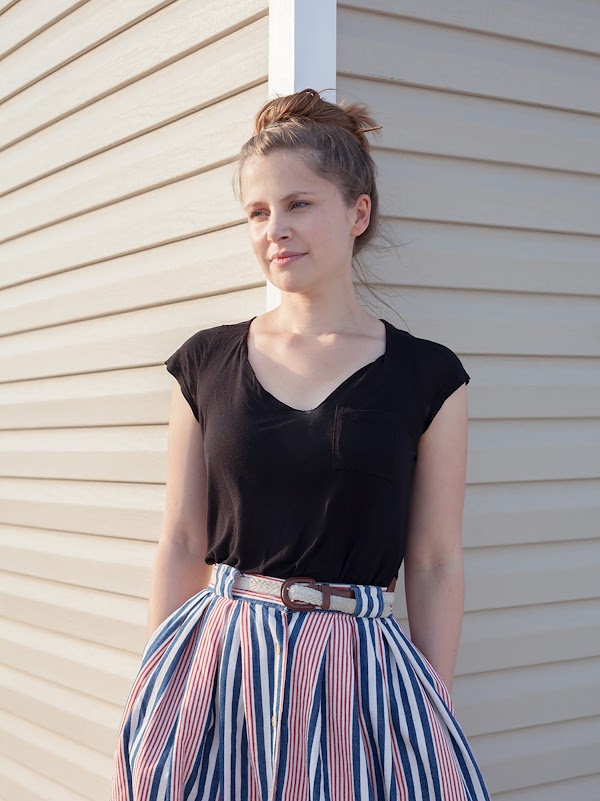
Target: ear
362,215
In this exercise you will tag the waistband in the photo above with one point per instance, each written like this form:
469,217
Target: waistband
296,593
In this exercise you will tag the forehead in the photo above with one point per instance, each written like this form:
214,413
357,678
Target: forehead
278,174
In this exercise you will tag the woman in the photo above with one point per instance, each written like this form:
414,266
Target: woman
274,668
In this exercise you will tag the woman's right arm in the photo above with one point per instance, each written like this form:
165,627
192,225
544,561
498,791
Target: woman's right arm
179,570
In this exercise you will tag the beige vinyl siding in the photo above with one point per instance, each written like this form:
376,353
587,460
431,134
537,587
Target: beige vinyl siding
489,177
119,237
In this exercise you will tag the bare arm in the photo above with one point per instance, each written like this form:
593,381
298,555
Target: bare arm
433,562
179,570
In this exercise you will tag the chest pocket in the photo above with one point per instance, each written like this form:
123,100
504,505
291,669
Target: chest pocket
365,440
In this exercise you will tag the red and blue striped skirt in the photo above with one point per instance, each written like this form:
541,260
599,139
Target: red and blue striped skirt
240,698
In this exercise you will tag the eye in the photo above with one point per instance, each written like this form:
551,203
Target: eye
302,203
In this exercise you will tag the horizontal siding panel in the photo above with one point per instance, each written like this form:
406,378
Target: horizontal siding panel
190,268
496,639
459,191
551,610
454,60
474,258
5,4
496,324
543,573
555,752
127,397
542,387
94,454
21,783
181,209
131,511
162,97
26,20
517,637
100,671
531,696
109,564
156,43
478,128
138,339
184,147
86,27
103,618
511,512
60,759
582,788
61,710
535,450
564,23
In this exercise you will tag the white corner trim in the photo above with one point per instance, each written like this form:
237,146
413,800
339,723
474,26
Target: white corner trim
302,47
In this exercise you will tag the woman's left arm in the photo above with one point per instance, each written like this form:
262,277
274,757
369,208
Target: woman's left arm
433,558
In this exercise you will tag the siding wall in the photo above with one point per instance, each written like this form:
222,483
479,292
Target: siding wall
489,174
119,236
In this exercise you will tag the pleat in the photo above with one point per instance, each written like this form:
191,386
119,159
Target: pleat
446,768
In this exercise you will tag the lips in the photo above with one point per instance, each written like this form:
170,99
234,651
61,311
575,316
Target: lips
286,259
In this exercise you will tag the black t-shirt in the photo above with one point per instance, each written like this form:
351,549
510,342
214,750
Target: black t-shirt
321,493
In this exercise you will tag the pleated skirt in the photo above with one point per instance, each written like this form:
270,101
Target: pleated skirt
239,698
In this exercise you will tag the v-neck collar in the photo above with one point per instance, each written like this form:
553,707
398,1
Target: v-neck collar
259,387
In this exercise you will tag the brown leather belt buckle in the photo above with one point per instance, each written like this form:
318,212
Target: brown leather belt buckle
285,592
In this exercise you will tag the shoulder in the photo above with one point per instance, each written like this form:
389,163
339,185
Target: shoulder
426,355
201,341
438,372
432,355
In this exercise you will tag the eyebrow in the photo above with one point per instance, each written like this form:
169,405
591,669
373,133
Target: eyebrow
283,199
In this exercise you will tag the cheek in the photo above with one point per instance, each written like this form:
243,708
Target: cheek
256,239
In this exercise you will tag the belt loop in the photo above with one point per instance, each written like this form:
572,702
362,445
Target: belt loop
369,600
326,590
225,578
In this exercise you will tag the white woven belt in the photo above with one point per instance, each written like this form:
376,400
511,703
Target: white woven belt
304,593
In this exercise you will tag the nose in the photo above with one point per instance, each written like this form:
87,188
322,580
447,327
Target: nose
277,228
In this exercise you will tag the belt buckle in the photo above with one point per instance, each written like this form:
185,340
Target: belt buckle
285,592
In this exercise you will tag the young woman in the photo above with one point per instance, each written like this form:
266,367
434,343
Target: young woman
312,449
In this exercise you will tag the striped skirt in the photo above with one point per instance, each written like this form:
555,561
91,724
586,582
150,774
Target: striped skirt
239,698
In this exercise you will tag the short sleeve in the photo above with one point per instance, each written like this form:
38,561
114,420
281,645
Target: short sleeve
445,374
183,364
